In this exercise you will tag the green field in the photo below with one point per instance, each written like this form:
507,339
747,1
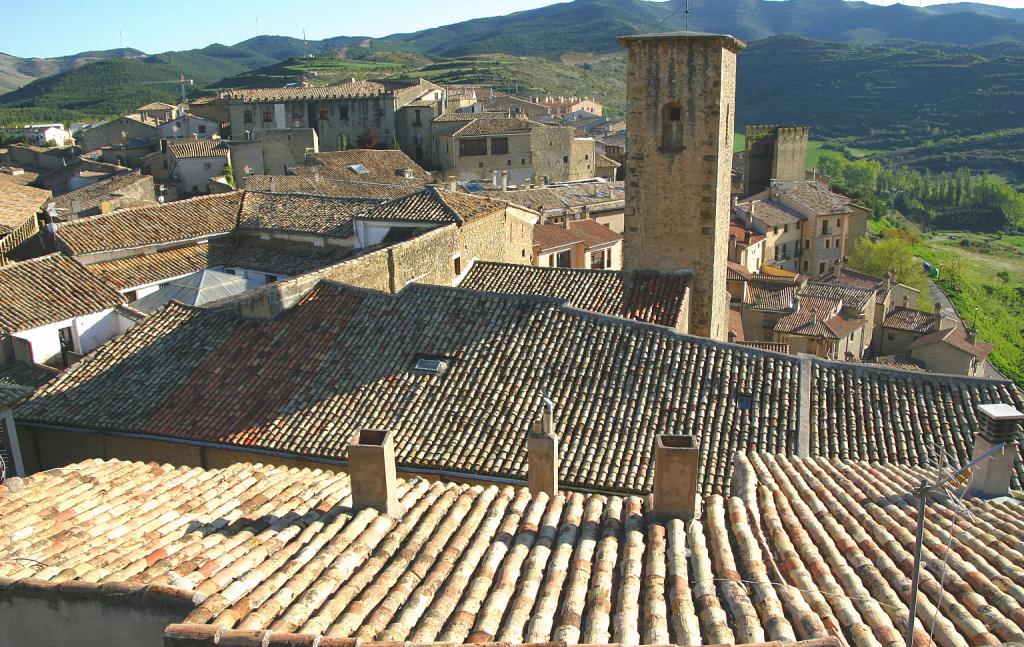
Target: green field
984,276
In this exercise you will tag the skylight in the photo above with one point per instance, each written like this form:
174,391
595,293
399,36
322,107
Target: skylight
432,365
358,168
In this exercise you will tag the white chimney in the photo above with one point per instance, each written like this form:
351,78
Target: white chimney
494,178
997,424
675,476
542,453
504,180
371,457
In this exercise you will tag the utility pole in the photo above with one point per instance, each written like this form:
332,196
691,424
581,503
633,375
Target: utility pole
686,15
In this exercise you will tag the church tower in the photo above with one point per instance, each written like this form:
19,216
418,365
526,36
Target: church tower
681,103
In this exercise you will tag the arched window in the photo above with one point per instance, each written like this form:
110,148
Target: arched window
672,127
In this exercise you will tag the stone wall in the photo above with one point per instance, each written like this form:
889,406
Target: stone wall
110,134
681,106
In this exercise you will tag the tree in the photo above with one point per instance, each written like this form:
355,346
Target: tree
891,254
1003,276
369,139
229,176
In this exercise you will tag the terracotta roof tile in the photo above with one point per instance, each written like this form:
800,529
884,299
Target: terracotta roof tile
815,197
768,293
31,375
192,148
126,273
11,394
548,237
454,117
50,289
909,319
19,203
648,296
434,205
854,298
593,233
957,338
359,89
802,548
378,166
596,196
490,127
175,221
326,216
89,197
308,185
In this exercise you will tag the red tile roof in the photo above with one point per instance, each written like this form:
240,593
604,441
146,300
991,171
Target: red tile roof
50,289
434,205
19,203
593,233
381,166
549,237
910,320
652,297
957,338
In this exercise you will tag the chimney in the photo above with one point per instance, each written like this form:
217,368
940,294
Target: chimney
887,283
271,183
453,185
906,301
504,180
972,335
675,476
494,178
997,424
542,453
371,458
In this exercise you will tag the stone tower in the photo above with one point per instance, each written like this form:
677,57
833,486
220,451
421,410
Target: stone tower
774,153
681,92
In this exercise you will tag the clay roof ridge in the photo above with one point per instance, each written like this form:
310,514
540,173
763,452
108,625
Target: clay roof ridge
950,378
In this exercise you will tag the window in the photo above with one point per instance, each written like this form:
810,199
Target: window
828,243
472,147
672,128
297,111
458,265
600,259
775,230
268,115
565,159
824,228
499,146
522,162
806,265
509,163
247,116
430,364
202,130
419,118
342,112
325,113
821,268
563,259
131,295
744,401
807,243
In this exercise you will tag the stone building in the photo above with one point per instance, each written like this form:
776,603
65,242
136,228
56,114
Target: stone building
193,163
681,105
774,153
119,132
358,114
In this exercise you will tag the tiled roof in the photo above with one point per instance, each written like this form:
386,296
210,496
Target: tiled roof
909,319
337,188
858,279
743,235
379,166
593,233
815,197
455,117
11,394
736,272
48,290
334,367
604,161
766,293
23,374
486,127
126,273
174,221
307,214
652,297
867,412
852,297
818,317
548,237
595,195
957,338
154,106
191,148
774,347
90,196
770,213
355,90
19,203
435,205
804,548
283,257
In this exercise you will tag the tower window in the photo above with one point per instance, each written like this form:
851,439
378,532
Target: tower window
672,128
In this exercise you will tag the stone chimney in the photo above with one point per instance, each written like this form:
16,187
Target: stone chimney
997,424
937,323
371,457
504,180
675,476
887,283
494,177
972,335
542,453
906,301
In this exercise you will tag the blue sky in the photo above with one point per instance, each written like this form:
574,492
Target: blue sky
185,24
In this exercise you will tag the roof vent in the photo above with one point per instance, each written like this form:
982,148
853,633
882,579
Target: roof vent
405,172
431,365
744,401
358,168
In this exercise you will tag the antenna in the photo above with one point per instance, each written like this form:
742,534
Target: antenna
257,25
686,15
924,491
120,36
